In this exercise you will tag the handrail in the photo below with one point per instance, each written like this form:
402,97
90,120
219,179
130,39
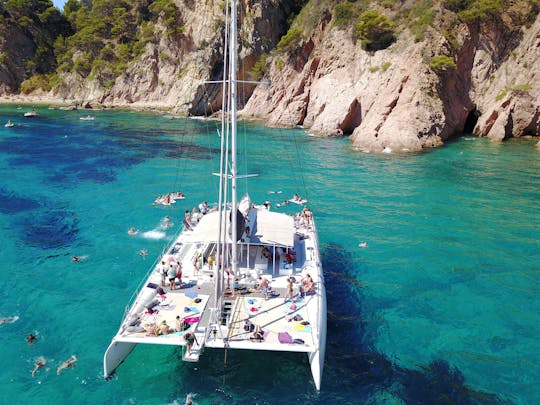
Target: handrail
143,281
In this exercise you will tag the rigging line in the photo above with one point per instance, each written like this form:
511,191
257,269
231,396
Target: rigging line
242,95
302,177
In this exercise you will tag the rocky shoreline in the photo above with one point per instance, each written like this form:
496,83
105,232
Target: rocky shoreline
391,100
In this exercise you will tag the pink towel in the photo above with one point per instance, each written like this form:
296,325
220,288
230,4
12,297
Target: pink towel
191,320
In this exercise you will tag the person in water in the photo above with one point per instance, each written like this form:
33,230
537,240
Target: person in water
40,362
66,364
31,339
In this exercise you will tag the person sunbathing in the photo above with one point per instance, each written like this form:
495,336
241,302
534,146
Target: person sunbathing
165,329
258,334
66,364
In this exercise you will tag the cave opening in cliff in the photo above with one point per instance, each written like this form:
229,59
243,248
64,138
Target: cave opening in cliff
471,121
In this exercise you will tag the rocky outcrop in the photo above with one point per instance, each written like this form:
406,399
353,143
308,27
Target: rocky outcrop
510,103
393,100
173,71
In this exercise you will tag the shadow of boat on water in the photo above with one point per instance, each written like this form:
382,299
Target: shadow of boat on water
364,374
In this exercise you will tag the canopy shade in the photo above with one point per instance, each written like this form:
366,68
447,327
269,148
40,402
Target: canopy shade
271,227
266,227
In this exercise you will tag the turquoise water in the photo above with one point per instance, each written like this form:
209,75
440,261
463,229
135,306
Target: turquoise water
440,306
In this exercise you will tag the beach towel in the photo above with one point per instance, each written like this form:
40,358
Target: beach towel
301,328
193,319
284,337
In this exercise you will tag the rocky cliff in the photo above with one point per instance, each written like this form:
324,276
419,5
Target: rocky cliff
395,98
172,70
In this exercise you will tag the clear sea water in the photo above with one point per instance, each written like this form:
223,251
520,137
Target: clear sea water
440,306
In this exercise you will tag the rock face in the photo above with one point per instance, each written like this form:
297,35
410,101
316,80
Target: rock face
389,100
171,72
393,100
510,105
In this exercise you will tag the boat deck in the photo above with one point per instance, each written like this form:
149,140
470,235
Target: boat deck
279,320
286,326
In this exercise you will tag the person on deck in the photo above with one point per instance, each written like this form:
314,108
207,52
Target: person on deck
308,286
171,274
264,286
190,339
179,272
258,334
165,329
163,269
290,290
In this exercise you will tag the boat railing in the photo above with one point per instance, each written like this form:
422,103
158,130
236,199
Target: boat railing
142,284
321,284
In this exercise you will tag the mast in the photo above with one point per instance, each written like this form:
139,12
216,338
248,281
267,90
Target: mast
223,183
233,54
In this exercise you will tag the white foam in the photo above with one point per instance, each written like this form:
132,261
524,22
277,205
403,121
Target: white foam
154,234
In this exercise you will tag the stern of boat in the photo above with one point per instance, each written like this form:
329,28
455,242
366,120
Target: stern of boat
115,355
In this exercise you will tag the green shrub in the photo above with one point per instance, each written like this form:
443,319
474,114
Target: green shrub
343,14
502,94
424,14
39,81
518,88
475,10
442,62
373,69
385,66
374,31
259,69
82,66
290,40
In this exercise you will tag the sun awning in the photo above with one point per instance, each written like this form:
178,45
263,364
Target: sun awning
266,228
272,228
206,230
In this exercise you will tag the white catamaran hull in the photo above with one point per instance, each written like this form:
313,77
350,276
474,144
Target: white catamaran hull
251,279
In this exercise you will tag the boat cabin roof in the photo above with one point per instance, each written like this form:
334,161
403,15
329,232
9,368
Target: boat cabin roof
266,227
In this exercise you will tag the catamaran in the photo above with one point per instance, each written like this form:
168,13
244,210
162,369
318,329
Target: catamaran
239,276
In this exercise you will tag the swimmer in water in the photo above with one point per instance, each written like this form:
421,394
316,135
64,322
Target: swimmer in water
9,319
66,364
133,231
31,338
75,259
40,362
143,253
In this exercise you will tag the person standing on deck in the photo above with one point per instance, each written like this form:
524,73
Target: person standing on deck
179,272
190,339
163,269
264,285
290,288
171,274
